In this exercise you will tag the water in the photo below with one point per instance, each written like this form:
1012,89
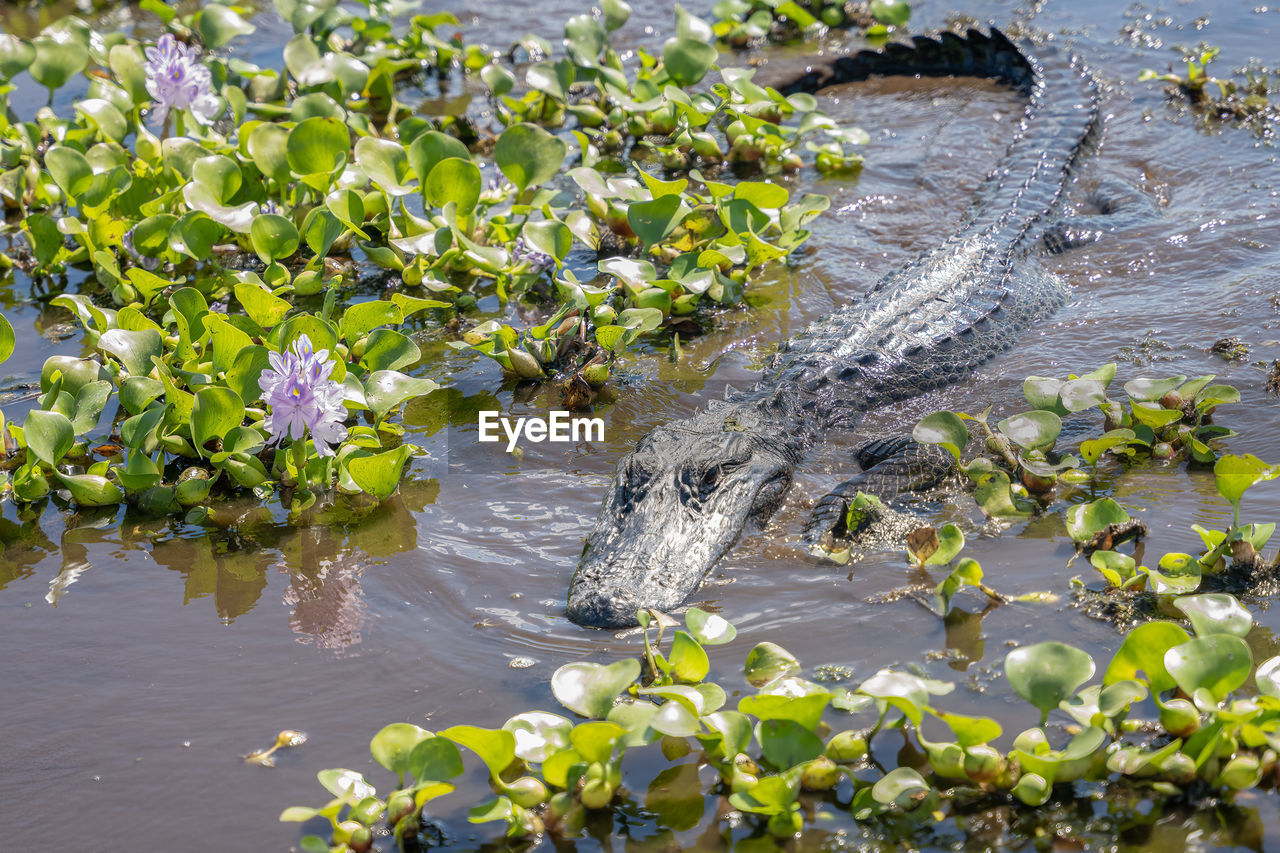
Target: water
143,658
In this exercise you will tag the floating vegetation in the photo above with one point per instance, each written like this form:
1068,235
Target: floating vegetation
231,217
1230,349
1169,718
267,757
1165,419
1244,99
744,23
1020,472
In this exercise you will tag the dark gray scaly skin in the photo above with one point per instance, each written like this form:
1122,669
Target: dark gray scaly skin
680,500
890,468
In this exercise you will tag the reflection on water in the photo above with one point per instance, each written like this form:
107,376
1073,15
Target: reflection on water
323,555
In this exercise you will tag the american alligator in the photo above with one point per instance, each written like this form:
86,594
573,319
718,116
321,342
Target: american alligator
680,500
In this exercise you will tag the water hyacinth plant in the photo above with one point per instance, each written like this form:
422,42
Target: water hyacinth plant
178,80
1243,99
304,401
600,201
1168,719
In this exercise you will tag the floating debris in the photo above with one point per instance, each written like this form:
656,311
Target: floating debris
1230,349
266,757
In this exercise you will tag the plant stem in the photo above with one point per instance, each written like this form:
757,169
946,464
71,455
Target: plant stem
300,460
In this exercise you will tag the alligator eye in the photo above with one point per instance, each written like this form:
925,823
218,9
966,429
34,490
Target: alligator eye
710,480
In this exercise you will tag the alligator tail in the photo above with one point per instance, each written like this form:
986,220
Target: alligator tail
1059,127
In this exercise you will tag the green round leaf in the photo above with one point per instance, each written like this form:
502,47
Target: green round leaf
688,60
589,689
386,389
1034,430
263,307
274,237
945,429
378,474
1150,390
496,747
675,720
49,435
195,234
550,237
435,759
57,60
221,175
318,146
786,743
1218,663
1084,520
386,163
1216,613
767,662
454,179
105,116
687,658
392,746
218,24
708,628
70,171
321,229
216,412
1176,573
1234,475
652,221
539,734
7,339
16,55
134,350
898,786
1093,448
91,489
268,147
529,155
1047,673
1080,394
498,79
430,148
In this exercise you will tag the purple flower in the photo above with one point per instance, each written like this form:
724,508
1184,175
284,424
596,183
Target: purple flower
177,79
302,397
498,182
537,261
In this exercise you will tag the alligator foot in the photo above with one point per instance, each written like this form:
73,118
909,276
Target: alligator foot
1117,206
891,467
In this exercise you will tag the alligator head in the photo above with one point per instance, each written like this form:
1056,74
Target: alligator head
677,503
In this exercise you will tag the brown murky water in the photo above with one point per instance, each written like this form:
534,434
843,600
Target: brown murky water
141,659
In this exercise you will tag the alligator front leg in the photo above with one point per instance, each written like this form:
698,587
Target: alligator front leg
1118,206
891,467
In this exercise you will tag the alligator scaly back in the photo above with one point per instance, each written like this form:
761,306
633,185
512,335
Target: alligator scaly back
683,496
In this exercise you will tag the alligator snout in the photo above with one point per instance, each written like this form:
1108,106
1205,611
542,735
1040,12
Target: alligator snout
599,609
